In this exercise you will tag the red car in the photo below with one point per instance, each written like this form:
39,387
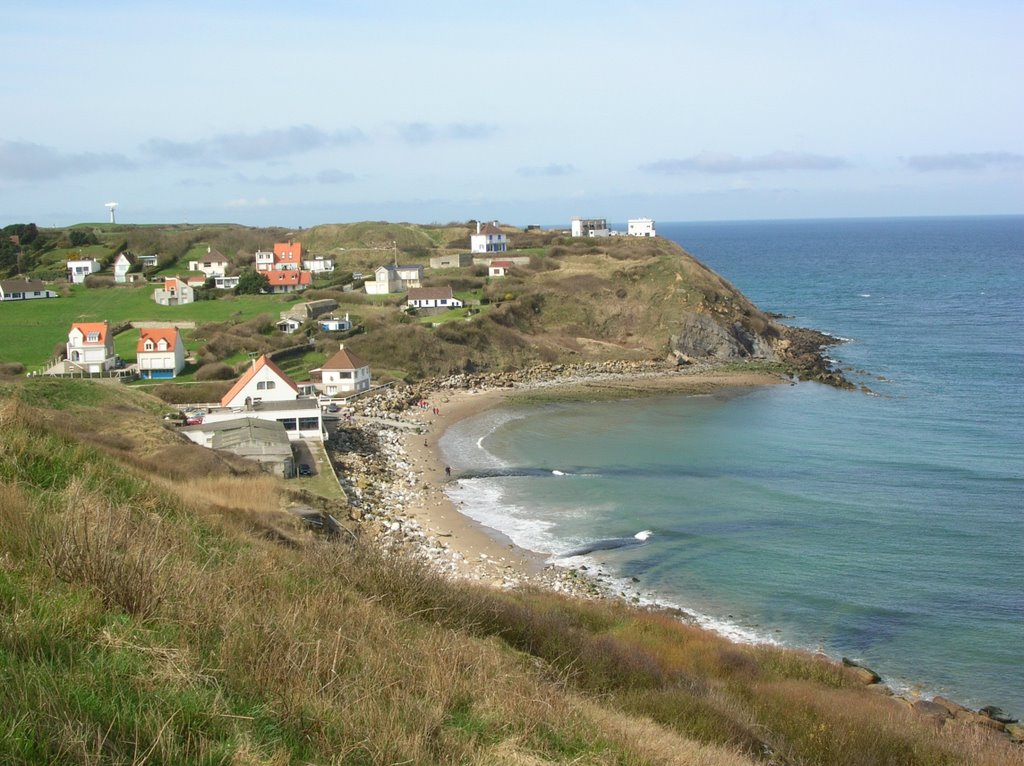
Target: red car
195,420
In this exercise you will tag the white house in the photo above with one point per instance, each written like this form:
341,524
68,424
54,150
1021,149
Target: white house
488,239
226,283
432,298
122,265
334,324
264,260
318,265
499,268
590,227
149,261
78,270
90,347
175,292
265,392
288,324
214,265
160,353
24,290
263,381
640,227
394,279
343,374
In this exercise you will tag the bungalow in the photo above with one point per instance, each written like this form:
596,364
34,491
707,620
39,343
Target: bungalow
343,374
499,268
213,265
334,324
123,263
319,265
175,292
289,324
160,353
149,261
488,239
265,392
226,283
263,441
24,290
394,279
79,269
90,348
640,227
288,281
432,298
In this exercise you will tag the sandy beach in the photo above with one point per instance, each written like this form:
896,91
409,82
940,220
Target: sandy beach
465,548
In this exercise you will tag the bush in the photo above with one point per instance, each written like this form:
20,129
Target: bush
216,371
94,281
11,369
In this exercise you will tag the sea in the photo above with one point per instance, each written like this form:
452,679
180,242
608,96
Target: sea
884,524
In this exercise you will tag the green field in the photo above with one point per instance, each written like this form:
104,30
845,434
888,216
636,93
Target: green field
29,330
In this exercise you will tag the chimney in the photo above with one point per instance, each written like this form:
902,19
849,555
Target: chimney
477,227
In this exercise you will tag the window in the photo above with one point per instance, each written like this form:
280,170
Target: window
149,345
266,385
288,423
309,424
345,375
93,337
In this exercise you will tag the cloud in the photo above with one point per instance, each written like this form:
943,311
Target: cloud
294,179
429,133
716,162
248,147
333,176
551,170
242,202
25,161
977,161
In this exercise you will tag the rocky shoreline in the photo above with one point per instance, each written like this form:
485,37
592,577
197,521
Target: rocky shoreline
384,486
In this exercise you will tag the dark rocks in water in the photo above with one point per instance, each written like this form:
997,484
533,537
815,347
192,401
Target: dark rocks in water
860,673
997,714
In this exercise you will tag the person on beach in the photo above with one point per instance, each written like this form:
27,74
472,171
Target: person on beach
448,471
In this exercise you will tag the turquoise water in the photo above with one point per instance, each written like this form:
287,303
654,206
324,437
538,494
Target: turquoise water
885,527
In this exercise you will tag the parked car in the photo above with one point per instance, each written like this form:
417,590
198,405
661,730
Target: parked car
305,470
332,407
194,420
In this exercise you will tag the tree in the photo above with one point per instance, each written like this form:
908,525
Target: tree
252,283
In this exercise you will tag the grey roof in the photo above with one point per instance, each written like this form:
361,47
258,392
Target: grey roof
22,285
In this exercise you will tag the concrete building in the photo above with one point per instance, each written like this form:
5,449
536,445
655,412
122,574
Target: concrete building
590,227
640,227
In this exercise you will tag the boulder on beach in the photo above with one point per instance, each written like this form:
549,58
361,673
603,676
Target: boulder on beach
860,673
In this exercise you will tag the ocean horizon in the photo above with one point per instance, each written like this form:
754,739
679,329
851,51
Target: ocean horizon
885,525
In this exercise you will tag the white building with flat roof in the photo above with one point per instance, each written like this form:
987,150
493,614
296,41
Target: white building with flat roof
640,227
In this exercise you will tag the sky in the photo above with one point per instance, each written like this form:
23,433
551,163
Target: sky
329,111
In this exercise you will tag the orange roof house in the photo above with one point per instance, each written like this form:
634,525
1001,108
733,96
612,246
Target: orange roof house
288,281
264,381
287,255
90,347
160,353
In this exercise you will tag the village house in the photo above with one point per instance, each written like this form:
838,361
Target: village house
394,279
590,227
293,318
123,263
226,283
343,374
318,265
488,239
213,265
79,269
288,281
640,227
149,261
264,260
24,290
263,441
432,298
90,348
266,393
160,353
175,292
287,256
499,268
335,324
288,324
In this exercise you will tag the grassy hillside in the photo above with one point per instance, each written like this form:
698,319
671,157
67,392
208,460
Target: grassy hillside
148,619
